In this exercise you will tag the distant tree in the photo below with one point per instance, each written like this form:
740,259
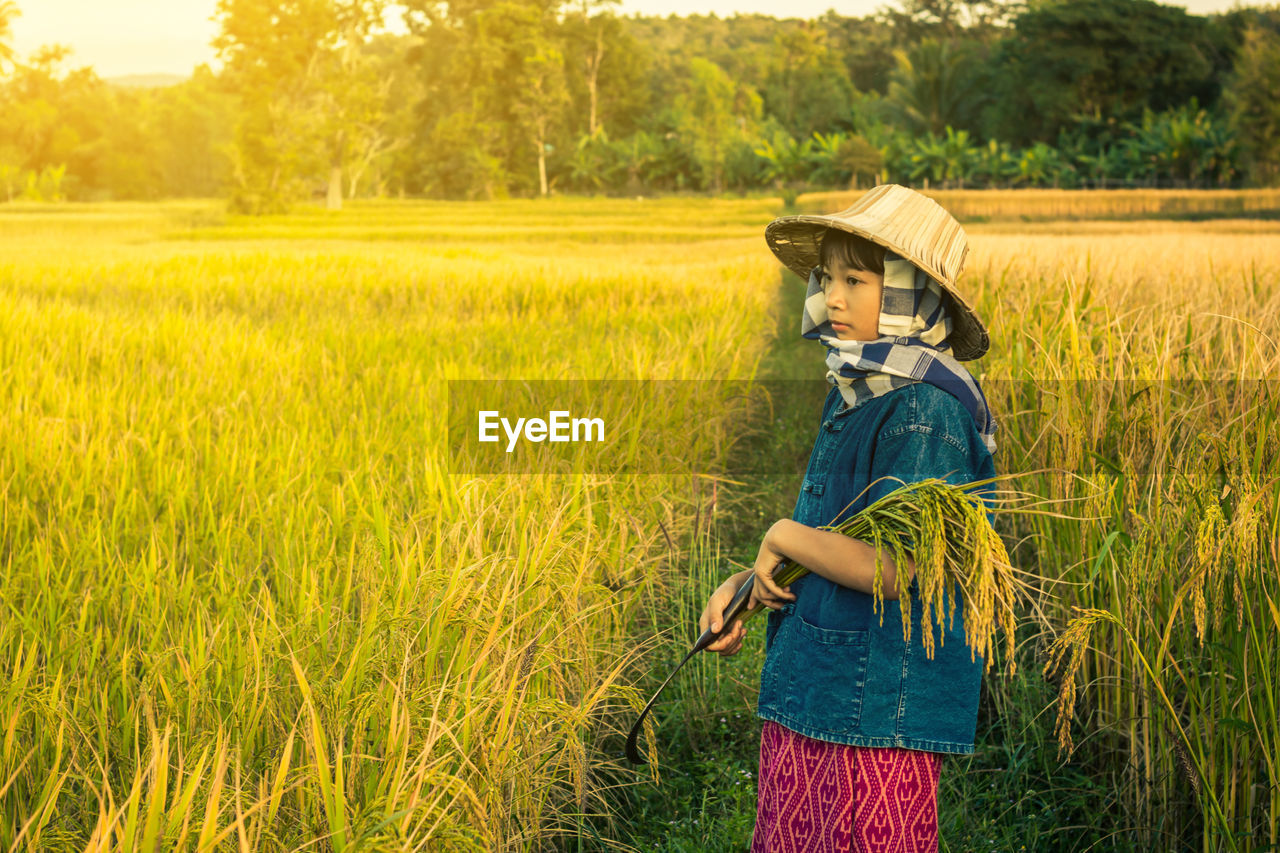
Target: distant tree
950,160
807,88
950,19
70,134
353,97
624,98
865,46
743,45
893,143
788,164
8,11
706,119
589,38
58,120
127,163
594,165
1103,167
826,168
1253,98
494,82
1238,19
190,128
1099,60
541,107
936,85
842,159
1041,165
642,154
304,94
460,112
1185,146
995,163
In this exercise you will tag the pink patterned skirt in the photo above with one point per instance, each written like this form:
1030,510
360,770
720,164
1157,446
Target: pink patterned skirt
819,796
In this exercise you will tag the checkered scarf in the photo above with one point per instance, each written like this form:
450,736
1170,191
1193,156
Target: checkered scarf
912,346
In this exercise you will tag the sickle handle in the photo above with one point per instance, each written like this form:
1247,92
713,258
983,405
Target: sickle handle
735,609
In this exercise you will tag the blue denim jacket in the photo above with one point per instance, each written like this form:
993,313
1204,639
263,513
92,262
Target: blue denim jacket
832,671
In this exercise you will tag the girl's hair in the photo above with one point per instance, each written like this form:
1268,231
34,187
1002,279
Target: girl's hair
857,252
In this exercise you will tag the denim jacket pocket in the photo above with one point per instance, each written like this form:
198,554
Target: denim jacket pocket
817,674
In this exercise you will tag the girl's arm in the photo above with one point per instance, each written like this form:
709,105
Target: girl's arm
838,558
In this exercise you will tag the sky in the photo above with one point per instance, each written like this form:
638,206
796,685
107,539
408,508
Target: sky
119,37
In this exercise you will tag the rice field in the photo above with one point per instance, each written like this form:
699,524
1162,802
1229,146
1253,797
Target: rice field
1143,368
246,603
1054,204
248,606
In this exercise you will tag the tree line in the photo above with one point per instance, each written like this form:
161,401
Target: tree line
503,98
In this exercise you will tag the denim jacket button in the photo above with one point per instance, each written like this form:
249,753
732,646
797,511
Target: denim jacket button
827,425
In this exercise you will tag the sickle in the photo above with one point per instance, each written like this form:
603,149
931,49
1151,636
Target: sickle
733,611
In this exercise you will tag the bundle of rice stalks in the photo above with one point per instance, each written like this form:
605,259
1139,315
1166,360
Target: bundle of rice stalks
955,549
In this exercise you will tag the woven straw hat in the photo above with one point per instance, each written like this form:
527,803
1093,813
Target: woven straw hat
912,225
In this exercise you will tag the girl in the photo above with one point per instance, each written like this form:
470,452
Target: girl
855,720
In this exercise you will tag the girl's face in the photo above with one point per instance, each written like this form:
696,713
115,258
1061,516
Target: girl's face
853,300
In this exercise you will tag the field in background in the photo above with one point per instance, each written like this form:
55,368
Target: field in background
244,599
1035,204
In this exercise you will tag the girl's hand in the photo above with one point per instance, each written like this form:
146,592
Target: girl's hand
765,591
730,642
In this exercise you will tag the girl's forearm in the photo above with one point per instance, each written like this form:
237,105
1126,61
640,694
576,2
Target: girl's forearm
838,558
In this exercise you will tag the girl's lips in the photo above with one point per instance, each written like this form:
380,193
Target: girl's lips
836,325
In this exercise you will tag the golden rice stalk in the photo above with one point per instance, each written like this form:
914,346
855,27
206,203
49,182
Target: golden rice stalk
955,549
1075,639
1210,535
1244,531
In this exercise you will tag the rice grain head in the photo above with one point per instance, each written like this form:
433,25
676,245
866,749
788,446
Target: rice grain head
1245,529
1210,537
1072,641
